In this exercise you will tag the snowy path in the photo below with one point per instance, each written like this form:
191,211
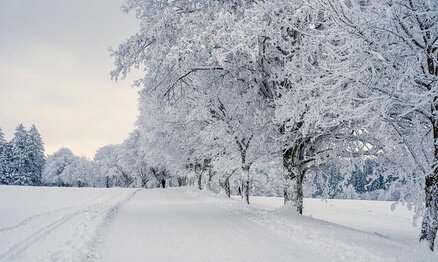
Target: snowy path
168,225
184,225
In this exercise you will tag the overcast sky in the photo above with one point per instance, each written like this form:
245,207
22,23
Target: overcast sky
54,72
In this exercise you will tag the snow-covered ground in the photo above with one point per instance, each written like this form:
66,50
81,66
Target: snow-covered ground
53,224
183,224
374,217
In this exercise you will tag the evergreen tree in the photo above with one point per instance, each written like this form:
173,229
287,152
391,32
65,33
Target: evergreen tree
6,163
3,161
35,150
20,160
2,138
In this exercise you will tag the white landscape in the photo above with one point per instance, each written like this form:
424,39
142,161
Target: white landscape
184,224
219,130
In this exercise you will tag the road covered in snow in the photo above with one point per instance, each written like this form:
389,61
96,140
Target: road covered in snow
183,224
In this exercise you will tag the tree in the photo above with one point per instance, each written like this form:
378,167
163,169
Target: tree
2,138
299,57
6,161
53,173
63,168
80,173
109,162
400,39
3,161
133,162
221,104
36,155
5,158
106,160
238,129
160,174
20,161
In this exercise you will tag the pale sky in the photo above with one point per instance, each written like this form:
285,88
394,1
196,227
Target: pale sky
54,72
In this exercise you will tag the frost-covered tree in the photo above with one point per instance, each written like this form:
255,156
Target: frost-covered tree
298,55
401,43
166,138
56,165
220,118
63,168
367,182
20,165
239,128
132,160
3,162
221,110
108,160
80,173
160,174
5,159
2,138
35,150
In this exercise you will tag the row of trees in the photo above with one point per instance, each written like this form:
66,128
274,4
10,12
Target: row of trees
124,165
22,159
63,168
296,86
113,165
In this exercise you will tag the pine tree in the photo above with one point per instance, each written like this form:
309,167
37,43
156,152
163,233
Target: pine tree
6,159
3,162
2,138
35,150
20,160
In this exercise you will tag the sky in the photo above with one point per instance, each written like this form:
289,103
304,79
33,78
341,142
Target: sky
54,72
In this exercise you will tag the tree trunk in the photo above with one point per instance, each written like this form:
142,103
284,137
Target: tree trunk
107,182
227,187
208,184
429,225
191,180
144,182
293,190
182,181
245,184
163,183
293,178
199,178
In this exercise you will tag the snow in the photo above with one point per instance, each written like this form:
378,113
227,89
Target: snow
184,224
53,224
374,217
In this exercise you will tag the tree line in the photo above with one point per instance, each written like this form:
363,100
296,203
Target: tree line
22,158
292,87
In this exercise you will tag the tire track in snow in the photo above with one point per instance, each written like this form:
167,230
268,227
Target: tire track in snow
18,248
29,219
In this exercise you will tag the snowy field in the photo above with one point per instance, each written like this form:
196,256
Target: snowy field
182,224
53,224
